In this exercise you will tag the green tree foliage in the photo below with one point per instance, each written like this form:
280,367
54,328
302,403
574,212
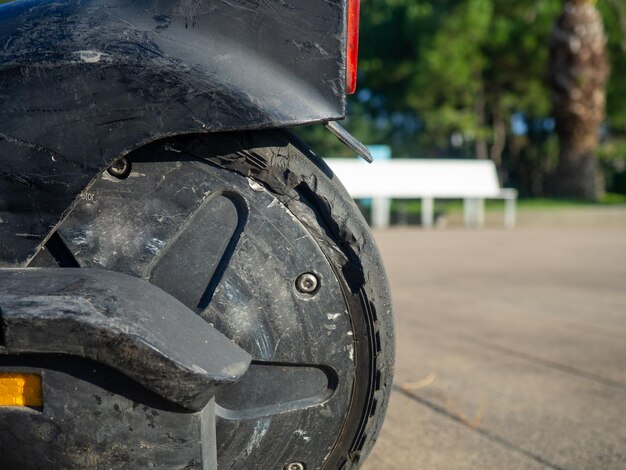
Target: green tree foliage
613,149
472,66
614,15
472,72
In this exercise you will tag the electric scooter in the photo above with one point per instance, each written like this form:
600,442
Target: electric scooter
183,283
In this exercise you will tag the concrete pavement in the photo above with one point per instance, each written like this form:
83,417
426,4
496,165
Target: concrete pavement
511,350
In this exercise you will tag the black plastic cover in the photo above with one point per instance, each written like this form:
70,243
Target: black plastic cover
123,322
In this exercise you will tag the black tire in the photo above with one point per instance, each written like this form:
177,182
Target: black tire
307,186
337,236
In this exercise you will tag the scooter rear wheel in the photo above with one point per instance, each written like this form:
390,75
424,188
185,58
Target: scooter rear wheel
253,231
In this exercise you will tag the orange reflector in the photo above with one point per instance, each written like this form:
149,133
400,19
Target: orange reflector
20,389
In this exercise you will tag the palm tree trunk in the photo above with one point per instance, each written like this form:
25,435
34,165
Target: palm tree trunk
481,148
579,72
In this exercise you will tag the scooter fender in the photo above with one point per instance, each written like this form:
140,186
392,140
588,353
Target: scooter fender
85,82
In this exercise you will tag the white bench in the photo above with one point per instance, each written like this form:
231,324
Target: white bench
425,179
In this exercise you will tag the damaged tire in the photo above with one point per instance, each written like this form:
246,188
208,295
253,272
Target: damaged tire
253,232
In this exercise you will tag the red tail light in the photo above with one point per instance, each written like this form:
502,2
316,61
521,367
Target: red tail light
353,45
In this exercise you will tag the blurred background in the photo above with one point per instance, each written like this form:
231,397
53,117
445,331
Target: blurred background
537,87
511,344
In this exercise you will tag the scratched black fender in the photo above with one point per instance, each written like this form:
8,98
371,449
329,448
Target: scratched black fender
84,82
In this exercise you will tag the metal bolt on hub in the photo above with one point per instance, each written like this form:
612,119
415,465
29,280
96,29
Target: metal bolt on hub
307,283
294,466
120,168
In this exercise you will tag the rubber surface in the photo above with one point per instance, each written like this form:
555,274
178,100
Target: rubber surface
250,211
304,183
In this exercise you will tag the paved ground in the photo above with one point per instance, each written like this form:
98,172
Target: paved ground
511,350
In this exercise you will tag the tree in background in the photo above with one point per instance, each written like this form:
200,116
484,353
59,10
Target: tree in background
612,151
449,78
579,71
485,66
469,79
